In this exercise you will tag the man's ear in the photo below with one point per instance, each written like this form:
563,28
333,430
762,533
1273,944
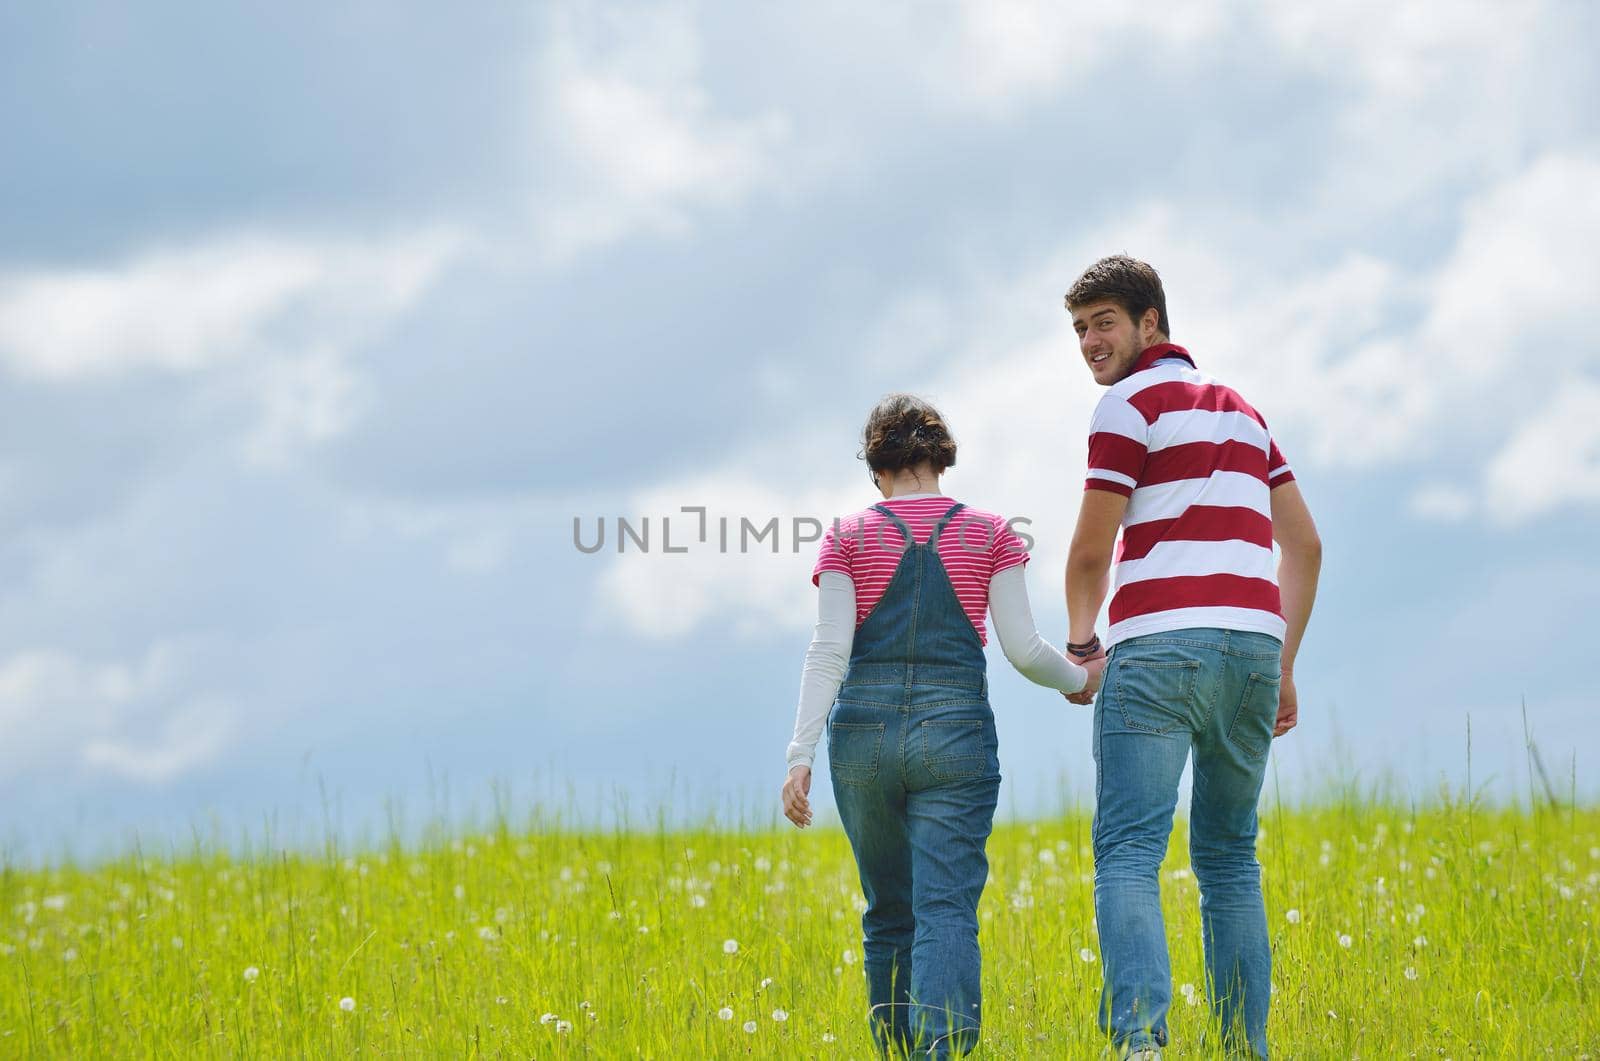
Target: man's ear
1149,325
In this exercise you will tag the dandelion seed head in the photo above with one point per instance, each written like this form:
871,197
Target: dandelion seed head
547,1018
1420,942
780,1015
251,973
750,1026
849,956
501,999
586,1004
563,1027
69,954
730,946
460,891
1086,954
1411,972
697,900
766,982
347,1004
1293,917
726,1013
1345,941
829,1037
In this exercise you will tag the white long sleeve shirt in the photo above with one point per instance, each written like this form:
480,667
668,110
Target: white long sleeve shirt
828,657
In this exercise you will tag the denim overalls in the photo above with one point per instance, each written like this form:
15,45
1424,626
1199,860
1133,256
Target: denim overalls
912,751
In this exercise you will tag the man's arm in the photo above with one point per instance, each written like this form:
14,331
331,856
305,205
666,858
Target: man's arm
1088,568
1299,565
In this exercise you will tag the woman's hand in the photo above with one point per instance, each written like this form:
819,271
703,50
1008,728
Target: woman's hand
1097,669
796,807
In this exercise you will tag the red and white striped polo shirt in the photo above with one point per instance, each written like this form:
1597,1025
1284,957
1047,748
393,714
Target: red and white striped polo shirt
1197,465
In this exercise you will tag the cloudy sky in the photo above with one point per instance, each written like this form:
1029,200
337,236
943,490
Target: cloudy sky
320,325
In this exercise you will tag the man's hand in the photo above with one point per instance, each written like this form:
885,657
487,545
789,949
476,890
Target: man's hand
1096,666
1288,705
796,807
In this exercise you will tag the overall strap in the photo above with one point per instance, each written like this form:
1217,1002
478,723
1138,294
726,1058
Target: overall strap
933,540
898,522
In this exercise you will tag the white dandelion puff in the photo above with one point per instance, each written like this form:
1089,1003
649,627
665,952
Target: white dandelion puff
730,946
70,955
1086,954
1292,916
766,982
829,1037
1345,941
1411,972
486,932
697,901
1420,942
251,973
780,1015
563,1027
849,956
460,892
347,1004
750,1026
725,1013
547,1018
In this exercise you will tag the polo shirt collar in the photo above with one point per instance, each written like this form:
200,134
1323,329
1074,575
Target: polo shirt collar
1155,353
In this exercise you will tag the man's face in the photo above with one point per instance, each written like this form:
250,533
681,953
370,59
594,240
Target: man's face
1110,340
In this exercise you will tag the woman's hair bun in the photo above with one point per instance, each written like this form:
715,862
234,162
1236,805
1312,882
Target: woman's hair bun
903,431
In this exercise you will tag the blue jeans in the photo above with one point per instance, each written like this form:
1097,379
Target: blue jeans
916,778
1214,692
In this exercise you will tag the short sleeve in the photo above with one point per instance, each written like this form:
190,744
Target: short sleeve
1009,549
836,552
1118,441
1278,470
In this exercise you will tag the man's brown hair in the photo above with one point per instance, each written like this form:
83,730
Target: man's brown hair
1130,283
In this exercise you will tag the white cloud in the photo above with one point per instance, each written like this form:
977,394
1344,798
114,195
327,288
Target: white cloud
304,401
222,299
1443,503
1006,51
1552,460
629,139
142,720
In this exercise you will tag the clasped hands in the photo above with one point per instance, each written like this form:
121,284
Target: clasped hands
1092,658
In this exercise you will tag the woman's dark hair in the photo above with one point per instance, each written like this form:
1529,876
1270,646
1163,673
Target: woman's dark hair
903,431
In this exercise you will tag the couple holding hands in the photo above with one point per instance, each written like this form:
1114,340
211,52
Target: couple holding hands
1199,658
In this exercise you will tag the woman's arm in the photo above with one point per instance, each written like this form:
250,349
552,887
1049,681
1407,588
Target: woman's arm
1035,658
826,661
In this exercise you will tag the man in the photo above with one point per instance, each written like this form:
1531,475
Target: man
1202,645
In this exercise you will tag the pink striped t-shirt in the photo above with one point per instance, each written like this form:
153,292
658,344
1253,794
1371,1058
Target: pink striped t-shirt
975,546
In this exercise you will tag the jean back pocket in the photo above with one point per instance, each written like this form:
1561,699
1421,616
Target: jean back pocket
954,748
1257,715
854,749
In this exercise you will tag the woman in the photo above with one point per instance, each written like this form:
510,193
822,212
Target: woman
903,588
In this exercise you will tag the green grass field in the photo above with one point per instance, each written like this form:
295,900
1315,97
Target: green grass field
1443,932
